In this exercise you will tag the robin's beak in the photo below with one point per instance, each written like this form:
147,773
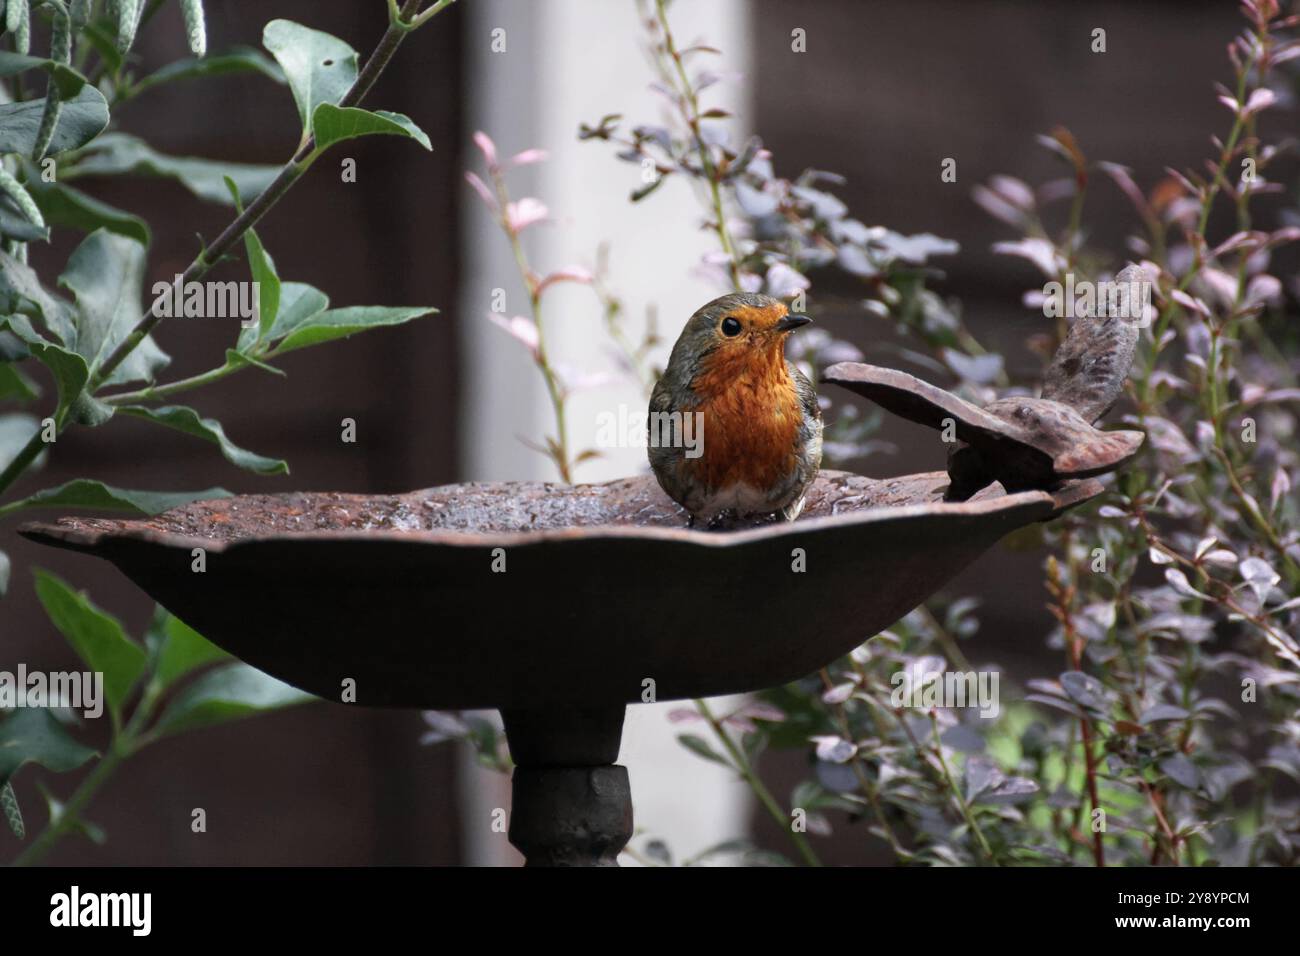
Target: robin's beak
791,322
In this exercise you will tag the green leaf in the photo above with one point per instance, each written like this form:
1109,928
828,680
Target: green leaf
12,348
240,59
183,650
115,154
55,807
16,430
61,205
96,636
340,323
69,370
262,268
14,223
83,118
88,493
332,124
105,44
15,385
238,360
700,746
227,693
32,735
68,81
188,420
320,68
21,292
298,303
105,275
13,814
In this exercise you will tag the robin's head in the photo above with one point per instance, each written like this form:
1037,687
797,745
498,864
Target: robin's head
736,330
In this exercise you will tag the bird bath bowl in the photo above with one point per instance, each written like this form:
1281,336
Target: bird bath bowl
559,604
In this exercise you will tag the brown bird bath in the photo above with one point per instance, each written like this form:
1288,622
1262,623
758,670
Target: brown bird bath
560,605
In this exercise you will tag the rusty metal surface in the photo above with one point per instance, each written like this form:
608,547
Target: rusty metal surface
603,587
1019,441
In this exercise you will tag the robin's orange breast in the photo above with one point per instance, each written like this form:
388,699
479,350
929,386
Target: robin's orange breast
751,415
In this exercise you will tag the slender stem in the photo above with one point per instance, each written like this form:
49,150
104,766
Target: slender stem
691,113
868,788
72,809
26,455
554,387
154,392
962,805
1063,594
1203,221
743,767
125,744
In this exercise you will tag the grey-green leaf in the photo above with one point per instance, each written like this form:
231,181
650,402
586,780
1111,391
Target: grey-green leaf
84,117
700,746
262,268
340,323
332,124
16,429
88,493
189,421
68,80
69,370
298,303
21,291
15,385
227,693
183,650
32,735
105,275
64,206
238,360
240,59
96,636
320,68
15,224
115,154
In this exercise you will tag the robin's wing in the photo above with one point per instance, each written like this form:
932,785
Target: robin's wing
807,393
661,401
661,433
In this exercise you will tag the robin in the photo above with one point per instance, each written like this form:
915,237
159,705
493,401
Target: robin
733,426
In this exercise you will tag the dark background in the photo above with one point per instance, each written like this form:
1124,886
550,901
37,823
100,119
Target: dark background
887,90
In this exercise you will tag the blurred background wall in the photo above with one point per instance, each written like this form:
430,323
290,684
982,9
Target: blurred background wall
886,91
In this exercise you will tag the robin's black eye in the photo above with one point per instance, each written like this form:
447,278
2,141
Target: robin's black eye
730,327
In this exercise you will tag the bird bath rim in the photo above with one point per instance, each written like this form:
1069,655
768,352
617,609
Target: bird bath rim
88,534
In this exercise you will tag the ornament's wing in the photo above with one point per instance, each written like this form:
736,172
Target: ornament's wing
1089,369
918,401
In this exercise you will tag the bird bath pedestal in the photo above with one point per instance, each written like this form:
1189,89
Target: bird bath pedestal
559,605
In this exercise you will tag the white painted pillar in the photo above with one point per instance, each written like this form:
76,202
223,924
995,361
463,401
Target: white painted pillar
566,62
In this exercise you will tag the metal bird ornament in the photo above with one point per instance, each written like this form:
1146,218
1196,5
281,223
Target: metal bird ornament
1024,442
